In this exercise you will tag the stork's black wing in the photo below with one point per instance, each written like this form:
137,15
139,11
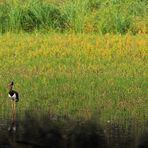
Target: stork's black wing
17,95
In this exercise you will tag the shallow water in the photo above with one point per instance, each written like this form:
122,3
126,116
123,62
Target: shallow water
64,133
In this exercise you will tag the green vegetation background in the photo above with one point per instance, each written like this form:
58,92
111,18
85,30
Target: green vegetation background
76,58
98,16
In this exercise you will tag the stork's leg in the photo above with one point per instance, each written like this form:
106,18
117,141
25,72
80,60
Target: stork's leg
14,115
13,124
13,106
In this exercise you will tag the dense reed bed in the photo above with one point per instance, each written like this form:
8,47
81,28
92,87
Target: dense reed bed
98,16
76,75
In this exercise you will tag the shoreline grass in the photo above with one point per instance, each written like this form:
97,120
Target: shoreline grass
77,75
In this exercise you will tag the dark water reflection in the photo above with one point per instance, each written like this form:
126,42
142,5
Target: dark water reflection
33,132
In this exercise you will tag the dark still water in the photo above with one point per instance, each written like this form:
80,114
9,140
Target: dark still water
56,132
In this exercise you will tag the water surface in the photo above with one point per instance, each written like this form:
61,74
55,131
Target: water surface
57,132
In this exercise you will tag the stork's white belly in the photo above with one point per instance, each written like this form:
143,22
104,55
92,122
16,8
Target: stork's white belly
13,97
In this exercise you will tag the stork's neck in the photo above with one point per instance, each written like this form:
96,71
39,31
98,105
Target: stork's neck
10,89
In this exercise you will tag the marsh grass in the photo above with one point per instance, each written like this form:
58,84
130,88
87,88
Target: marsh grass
77,76
97,16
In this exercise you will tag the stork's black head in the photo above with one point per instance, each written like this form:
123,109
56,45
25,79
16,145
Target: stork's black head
11,83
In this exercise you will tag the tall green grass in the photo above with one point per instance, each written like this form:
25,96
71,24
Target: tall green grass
102,16
30,15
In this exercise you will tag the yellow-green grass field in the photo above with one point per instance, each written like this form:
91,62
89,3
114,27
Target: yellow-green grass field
76,75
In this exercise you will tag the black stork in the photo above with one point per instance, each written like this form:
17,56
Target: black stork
13,95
